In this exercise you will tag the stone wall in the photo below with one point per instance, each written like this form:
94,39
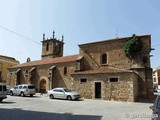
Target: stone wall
59,79
126,89
116,57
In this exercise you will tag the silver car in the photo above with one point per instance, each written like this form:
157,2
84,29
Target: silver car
23,90
63,93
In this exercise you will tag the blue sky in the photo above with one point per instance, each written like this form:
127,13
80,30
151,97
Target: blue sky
80,21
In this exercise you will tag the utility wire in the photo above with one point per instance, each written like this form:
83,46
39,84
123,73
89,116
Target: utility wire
19,35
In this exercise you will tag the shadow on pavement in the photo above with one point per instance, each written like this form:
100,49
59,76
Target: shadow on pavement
7,102
19,114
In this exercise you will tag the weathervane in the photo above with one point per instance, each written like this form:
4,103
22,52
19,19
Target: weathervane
116,34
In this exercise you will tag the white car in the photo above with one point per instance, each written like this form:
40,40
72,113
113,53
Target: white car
23,90
63,93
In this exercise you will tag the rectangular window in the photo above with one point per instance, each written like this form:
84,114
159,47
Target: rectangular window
83,80
114,79
65,70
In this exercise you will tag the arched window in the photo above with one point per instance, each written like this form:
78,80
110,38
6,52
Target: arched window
65,70
104,59
47,47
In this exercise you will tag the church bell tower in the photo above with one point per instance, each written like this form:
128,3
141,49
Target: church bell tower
52,47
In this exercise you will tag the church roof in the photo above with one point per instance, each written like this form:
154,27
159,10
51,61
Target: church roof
49,61
102,70
114,39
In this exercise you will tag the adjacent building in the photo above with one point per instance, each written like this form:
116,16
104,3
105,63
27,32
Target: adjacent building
6,62
101,70
156,77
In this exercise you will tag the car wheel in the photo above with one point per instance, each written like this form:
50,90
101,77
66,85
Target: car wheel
69,98
51,96
22,94
31,95
1,100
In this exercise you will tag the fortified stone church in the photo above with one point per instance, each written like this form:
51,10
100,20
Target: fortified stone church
101,70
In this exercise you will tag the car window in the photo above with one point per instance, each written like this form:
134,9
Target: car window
20,87
31,87
0,88
158,103
60,90
67,90
24,87
56,90
4,88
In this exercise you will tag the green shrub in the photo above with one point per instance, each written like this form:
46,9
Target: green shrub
132,46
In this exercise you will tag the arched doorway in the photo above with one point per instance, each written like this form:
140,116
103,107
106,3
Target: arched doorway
43,86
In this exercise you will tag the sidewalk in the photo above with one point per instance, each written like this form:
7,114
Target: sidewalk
42,94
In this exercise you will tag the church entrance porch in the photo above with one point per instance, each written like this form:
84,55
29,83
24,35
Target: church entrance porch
43,86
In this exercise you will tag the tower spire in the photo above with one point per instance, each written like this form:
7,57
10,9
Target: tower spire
43,36
62,38
53,34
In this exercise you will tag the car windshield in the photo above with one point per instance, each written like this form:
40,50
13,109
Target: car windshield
67,90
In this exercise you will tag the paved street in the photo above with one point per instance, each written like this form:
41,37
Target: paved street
43,108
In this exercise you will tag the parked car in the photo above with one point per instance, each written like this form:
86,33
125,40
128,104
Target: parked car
3,91
63,93
156,88
156,109
23,90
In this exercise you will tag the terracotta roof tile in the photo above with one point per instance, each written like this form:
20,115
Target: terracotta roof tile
102,70
49,61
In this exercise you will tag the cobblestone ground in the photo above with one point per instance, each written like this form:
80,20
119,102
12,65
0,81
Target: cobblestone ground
43,108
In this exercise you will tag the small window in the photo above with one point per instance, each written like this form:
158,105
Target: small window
114,79
47,47
65,70
104,59
83,80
